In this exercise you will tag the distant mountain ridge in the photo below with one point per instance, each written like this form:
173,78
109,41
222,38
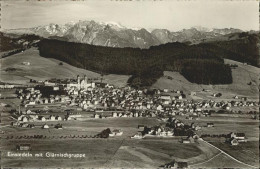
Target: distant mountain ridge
115,35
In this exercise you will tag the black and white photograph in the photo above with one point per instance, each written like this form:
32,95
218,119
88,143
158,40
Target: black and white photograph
129,84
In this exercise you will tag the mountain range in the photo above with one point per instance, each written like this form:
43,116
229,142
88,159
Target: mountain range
115,35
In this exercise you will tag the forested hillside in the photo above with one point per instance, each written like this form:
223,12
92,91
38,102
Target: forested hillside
202,63
14,42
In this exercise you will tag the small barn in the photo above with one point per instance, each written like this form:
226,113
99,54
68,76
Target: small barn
234,142
45,126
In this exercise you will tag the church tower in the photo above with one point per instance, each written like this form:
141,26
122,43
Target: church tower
78,81
86,79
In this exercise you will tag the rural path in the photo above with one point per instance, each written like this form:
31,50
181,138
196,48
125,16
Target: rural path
207,160
223,152
143,157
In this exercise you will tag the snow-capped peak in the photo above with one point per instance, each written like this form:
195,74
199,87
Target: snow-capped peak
112,24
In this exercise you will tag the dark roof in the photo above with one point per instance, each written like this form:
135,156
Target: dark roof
24,145
240,134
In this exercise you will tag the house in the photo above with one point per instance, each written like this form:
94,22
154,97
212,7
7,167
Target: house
228,107
197,128
25,125
52,118
234,142
195,136
23,147
55,88
45,126
165,90
179,97
217,95
114,114
6,86
31,103
96,116
137,136
25,119
159,107
26,63
42,118
58,118
210,125
116,132
68,117
240,137
165,97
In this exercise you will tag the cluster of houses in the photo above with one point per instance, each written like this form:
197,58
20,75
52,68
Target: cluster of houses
6,86
173,127
107,101
34,117
31,96
93,96
236,138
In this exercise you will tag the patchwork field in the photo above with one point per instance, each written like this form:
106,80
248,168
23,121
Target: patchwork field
88,127
245,152
125,152
107,153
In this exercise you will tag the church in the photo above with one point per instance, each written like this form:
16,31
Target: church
81,83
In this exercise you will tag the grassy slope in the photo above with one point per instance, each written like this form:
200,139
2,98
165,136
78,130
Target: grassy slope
45,68
241,76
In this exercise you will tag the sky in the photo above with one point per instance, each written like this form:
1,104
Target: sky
173,15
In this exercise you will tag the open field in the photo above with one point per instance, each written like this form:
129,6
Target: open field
220,161
226,125
245,152
41,68
125,152
89,127
106,153
118,153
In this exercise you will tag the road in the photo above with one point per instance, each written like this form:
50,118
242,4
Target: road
222,152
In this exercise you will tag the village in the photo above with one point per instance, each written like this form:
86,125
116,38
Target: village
83,109
82,100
